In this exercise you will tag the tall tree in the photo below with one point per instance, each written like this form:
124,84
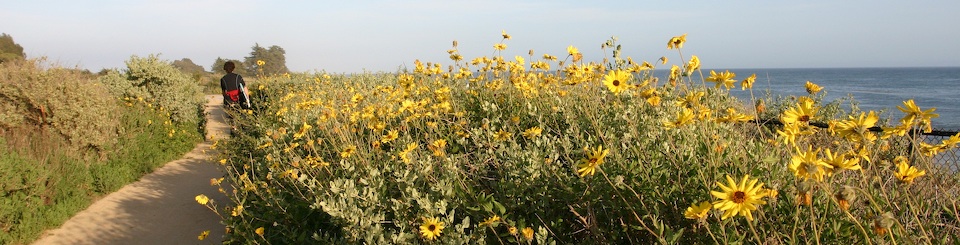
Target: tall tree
274,60
10,50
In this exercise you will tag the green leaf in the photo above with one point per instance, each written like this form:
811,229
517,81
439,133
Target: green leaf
502,209
676,236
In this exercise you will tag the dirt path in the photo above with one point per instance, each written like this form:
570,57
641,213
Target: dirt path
159,208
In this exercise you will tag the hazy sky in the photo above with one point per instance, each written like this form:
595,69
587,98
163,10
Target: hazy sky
353,36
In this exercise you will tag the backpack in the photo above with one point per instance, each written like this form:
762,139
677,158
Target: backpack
238,96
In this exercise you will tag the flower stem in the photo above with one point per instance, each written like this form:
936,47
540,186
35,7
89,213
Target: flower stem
632,210
756,236
866,237
813,217
714,237
911,203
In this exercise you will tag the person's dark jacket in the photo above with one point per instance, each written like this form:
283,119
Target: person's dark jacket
230,82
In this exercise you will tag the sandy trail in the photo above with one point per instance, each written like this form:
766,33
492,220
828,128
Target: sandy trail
159,208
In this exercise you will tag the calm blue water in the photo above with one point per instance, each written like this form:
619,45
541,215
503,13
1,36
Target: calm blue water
874,88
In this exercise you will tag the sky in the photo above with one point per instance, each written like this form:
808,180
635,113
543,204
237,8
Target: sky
387,35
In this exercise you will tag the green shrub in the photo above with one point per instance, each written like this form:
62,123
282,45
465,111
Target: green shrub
159,83
78,108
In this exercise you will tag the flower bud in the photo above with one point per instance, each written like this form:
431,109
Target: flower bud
845,196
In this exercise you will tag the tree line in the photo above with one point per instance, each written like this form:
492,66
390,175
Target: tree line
273,57
274,62
10,50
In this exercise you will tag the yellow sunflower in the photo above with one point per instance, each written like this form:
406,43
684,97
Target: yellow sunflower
527,233
684,117
748,83
802,113
431,228
915,116
202,199
951,142
572,50
405,154
691,99
303,131
733,116
588,165
724,78
617,81
930,150
348,151
906,173
647,66
502,135
697,211
812,88
674,75
532,132
806,165
677,42
857,129
739,198
438,146
899,130
390,136
692,65
651,96
840,161
492,221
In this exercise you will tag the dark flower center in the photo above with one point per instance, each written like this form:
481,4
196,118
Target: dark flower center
811,168
616,82
432,227
804,118
739,197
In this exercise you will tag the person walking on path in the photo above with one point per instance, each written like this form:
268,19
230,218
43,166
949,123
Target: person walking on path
233,87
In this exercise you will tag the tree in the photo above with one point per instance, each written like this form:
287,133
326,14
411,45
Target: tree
218,67
274,61
187,66
10,50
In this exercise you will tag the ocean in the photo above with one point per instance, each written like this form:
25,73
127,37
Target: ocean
873,88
